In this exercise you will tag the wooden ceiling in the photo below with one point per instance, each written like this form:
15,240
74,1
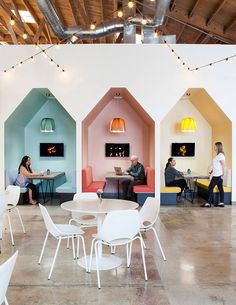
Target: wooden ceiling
192,21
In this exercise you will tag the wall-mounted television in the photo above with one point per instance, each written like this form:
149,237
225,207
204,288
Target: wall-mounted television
183,149
117,150
51,149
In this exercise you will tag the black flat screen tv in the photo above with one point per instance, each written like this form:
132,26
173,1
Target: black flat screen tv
117,150
183,149
51,149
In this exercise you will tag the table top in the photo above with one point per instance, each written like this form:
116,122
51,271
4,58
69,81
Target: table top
112,175
97,207
195,175
52,175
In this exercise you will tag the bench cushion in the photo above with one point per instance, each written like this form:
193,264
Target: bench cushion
87,177
94,186
143,189
204,183
170,189
150,186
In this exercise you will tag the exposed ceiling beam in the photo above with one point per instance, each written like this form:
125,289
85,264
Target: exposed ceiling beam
197,37
209,20
172,5
191,12
48,33
205,39
58,11
180,33
11,32
74,10
39,31
83,12
230,25
119,38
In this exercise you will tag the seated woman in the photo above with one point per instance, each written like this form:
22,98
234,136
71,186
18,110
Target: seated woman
23,178
171,174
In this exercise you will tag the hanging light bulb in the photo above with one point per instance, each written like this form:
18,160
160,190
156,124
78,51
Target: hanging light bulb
188,125
32,58
12,21
92,26
73,38
117,125
24,35
144,21
131,4
47,125
120,14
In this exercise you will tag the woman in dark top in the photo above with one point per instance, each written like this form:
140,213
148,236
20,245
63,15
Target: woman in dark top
171,174
23,178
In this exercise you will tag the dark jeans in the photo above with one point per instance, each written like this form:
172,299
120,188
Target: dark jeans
219,182
180,183
127,186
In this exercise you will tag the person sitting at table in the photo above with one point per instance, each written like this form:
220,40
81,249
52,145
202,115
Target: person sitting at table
174,177
23,178
137,173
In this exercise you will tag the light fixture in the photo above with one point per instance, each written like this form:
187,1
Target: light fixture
24,35
120,13
92,26
188,125
130,4
144,21
117,125
12,21
47,125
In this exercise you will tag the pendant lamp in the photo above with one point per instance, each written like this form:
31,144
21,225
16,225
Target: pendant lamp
47,125
188,125
117,125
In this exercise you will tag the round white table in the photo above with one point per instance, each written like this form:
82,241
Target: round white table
100,208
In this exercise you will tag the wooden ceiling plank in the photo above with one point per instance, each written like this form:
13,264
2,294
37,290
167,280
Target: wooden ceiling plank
180,33
58,11
48,33
74,10
84,12
229,26
191,12
39,31
209,20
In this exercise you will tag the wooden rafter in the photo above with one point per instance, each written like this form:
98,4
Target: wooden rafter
83,12
180,33
230,25
205,39
39,31
198,37
74,10
12,33
58,11
172,5
209,20
191,12
48,33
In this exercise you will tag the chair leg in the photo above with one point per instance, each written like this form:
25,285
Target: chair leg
5,301
159,244
143,257
54,259
23,228
84,250
77,252
91,255
113,249
68,243
127,254
142,240
42,251
97,265
9,221
73,246
130,252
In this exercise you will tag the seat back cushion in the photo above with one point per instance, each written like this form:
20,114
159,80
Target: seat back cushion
150,174
87,176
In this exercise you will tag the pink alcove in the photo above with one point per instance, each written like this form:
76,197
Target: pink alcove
140,129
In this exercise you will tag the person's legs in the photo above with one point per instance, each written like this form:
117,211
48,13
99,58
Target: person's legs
32,193
179,183
212,184
221,190
125,186
130,193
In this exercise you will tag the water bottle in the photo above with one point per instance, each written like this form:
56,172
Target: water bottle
48,171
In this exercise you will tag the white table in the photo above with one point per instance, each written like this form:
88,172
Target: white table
100,208
194,177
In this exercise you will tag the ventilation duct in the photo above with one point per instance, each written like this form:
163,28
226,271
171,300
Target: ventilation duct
102,29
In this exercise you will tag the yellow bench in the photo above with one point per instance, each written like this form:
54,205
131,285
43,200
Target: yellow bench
168,194
203,185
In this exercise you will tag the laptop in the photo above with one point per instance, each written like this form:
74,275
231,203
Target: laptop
118,170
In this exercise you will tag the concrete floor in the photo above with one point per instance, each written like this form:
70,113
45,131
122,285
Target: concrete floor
200,246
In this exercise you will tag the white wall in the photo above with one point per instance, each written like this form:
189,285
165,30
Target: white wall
170,132
149,72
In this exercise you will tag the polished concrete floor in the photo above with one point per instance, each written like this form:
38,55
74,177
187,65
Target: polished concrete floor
200,246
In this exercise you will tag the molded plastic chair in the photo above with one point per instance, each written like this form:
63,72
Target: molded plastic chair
148,217
12,198
60,231
119,228
5,276
2,213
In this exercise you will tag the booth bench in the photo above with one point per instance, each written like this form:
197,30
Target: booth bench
203,191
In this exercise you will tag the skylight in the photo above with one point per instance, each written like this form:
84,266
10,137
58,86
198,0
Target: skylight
25,16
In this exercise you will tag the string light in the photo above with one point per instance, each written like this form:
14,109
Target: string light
120,14
92,26
32,58
144,21
12,21
24,35
130,4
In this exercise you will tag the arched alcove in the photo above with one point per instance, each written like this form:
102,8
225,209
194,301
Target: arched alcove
212,125
139,134
23,135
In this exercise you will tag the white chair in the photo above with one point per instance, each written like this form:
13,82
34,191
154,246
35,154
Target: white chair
5,276
119,228
12,198
60,231
3,206
148,217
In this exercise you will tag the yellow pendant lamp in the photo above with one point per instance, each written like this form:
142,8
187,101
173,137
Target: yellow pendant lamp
117,125
188,125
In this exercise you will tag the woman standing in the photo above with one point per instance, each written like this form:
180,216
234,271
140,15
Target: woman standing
23,178
171,174
218,165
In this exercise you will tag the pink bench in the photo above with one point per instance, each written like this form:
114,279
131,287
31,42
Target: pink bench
146,190
88,185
